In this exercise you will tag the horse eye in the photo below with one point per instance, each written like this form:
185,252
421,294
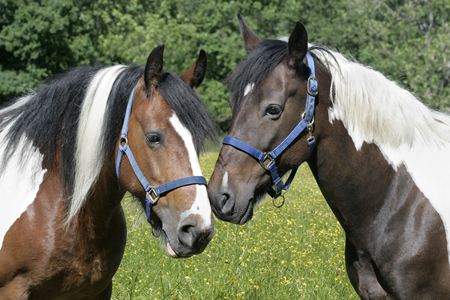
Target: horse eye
153,139
273,110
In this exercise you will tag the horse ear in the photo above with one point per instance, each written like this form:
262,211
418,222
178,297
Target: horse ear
250,38
153,68
297,45
196,73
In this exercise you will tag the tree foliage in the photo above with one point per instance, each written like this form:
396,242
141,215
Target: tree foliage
409,41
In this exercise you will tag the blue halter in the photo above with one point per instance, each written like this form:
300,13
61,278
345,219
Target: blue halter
267,160
152,193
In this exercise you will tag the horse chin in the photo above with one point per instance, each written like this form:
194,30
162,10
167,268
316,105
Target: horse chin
248,214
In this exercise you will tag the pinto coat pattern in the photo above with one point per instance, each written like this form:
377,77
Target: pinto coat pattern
381,160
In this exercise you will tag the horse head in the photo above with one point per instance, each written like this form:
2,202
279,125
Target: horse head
270,90
165,146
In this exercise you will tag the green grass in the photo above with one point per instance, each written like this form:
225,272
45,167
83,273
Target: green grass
296,252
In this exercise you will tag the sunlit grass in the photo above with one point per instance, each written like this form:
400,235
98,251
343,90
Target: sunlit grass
296,252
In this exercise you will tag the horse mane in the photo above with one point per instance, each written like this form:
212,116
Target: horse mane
78,117
256,67
373,108
376,109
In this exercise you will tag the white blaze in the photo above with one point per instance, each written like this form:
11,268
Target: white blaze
201,204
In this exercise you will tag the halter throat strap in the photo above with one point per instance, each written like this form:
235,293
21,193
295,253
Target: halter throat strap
267,160
152,194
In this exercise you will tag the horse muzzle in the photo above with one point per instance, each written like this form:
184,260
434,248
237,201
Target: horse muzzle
189,238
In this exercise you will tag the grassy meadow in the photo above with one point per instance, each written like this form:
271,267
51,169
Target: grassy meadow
295,252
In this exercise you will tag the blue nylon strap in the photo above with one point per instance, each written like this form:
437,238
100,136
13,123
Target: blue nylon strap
311,145
167,187
244,147
276,193
124,133
119,161
289,139
137,171
313,89
125,149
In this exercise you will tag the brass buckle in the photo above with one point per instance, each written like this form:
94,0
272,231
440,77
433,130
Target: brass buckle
153,199
267,157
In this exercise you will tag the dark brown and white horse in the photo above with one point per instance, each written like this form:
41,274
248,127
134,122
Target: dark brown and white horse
380,157
62,228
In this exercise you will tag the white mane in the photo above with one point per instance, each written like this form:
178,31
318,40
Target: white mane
89,150
376,110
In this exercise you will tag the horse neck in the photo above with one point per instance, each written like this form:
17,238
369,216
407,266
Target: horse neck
355,183
102,209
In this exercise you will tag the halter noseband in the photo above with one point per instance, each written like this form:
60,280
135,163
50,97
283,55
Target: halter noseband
152,193
267,160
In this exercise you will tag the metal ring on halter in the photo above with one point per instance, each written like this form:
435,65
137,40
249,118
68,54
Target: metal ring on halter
123,139
154,199
282,202
266,157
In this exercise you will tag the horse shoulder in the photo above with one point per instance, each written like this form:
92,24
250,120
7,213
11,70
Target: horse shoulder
41,256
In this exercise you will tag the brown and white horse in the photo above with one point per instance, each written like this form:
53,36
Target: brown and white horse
380,157
62,228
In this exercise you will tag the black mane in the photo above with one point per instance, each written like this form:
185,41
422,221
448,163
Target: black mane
256,67
259,64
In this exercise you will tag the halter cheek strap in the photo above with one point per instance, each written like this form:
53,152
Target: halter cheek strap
152,193
267,160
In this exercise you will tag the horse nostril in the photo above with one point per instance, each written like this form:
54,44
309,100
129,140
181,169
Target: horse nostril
192,236
187,233
227,204
225,198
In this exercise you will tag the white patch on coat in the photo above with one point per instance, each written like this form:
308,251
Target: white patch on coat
19,182
249,88
376,110
201,204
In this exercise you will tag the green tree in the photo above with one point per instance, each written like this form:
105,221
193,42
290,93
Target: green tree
41,38
406,40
